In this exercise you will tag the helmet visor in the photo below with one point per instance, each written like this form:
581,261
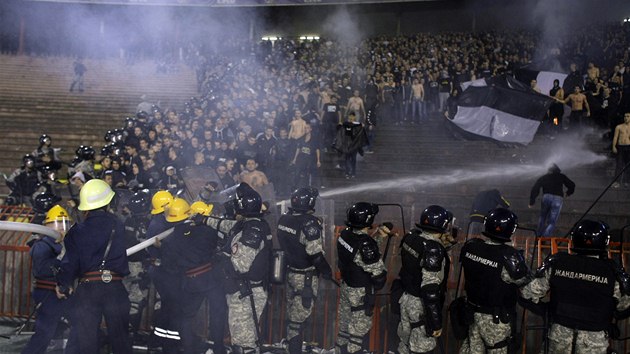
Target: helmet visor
61,225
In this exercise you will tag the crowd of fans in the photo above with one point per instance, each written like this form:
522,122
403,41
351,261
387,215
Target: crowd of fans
268,111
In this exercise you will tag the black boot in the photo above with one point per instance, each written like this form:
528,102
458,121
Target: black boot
343,349
295,345
134,322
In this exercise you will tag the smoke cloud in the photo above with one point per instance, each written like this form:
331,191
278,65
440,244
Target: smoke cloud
343,26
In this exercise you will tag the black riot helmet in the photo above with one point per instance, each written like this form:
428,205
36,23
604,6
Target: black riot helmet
106,150
361,215
50,171
247,202
44,201
590,237
116,136
142,116
130,123
303,199
140,203
435,218
117,149
44,139
85,152
28,161
500,224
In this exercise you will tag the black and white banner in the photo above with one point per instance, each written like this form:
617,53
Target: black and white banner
509,112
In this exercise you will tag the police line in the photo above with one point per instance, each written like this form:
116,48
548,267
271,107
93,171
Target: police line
43,230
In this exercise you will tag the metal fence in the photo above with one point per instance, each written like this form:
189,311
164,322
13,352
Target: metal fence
15,265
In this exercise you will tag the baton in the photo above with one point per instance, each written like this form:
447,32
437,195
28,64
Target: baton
253,303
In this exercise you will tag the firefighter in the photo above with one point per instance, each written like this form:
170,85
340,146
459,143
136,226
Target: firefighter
160,201
45,254
96,258
167,278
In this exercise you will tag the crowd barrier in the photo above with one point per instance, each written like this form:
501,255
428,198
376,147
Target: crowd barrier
15,265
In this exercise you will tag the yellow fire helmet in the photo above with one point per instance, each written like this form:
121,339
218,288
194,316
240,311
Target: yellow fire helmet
95,194
178,210
202,208
58,219
160,200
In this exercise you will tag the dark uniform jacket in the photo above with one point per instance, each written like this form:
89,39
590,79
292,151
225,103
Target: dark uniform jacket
44,252
581,290
290,227
188,247
190,252
348,245
86,243
483,264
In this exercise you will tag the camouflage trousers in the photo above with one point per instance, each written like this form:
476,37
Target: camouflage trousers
353,325
412,334
240,317
297,312
484,332
587,342
137,295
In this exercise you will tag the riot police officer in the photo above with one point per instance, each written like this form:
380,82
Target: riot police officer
137,283
42,203
424,273
24,182
96,257
493,272
45,252
586,287
84,162
248,251
45,142
300,236
362,274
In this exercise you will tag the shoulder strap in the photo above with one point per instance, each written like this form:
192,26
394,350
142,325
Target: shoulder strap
109,246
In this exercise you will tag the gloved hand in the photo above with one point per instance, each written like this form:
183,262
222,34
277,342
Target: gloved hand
322,266
199,219
379,281
387,225
63,292
245,290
